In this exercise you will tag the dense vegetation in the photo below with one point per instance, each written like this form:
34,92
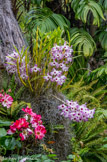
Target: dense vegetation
77,30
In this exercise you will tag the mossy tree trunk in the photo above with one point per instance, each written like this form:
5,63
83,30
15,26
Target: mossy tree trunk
10,34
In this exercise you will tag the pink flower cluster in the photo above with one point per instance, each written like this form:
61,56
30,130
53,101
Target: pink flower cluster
61,57
76,112
30,124
6,100
11,65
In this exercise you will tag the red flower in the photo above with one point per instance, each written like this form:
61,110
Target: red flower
21,123
40,132
27,110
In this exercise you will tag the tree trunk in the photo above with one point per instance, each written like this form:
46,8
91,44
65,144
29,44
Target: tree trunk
10,34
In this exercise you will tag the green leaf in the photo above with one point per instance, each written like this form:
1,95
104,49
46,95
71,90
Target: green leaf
103,147
70,157
82,10
105,139
3,132
45,19
82,42
100,72
8,142
5,122
97,7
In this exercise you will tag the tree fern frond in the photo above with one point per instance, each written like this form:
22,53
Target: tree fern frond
94,142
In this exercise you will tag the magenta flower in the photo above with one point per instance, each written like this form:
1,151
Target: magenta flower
63,77
7,101
21,123
30,124
27,110
40,132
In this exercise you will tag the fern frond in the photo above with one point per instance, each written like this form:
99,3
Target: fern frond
19,92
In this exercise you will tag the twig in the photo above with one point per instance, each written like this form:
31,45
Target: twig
58,99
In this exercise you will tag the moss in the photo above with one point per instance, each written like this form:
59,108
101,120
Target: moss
58,129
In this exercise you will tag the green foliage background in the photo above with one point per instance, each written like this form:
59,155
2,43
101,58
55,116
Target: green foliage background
83,24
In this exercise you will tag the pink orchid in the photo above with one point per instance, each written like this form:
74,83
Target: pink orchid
35,69
7,101
55,72
47,77
76,112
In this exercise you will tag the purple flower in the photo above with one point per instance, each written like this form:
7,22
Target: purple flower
35,69
76,112
24,76
47,77
65,68
55,72
54,63
62,106
69,59
67,55
58,56
55,79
